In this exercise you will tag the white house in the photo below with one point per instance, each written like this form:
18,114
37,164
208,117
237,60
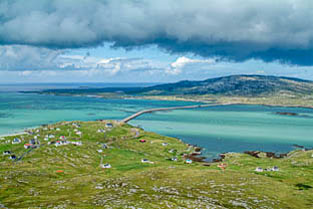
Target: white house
174,159
101,131
12,157
258,169
275,168
145,161
6,152
107,165
77,143
60,143
27,146
16,141
76,125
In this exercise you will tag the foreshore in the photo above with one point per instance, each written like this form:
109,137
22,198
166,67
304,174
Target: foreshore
13,134
211,99
196,155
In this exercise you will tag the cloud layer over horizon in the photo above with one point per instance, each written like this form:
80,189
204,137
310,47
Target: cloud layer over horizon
234,30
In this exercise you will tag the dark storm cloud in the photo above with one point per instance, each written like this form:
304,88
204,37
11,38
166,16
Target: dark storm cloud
230,29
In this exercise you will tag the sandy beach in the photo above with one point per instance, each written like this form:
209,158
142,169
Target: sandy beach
13,134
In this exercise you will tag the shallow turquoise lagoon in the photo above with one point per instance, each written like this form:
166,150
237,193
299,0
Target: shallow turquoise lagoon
234,128
19,111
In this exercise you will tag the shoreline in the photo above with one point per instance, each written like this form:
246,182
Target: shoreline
159,98
13,134
195,155
269,105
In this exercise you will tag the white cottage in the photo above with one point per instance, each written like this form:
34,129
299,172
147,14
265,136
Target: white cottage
107,165
16,141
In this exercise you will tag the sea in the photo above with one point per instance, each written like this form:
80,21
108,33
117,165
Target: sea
218,129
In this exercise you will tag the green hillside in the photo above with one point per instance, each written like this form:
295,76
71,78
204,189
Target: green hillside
70,176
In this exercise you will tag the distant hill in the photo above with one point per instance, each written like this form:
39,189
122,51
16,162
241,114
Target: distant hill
235,85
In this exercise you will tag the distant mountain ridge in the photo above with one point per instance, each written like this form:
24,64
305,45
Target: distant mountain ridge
234,85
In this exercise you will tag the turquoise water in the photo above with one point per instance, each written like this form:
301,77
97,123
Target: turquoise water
19,111
234,128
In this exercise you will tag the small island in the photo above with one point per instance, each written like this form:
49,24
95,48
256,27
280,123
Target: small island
108,164
287,113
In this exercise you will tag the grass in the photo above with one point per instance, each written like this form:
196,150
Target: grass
34,181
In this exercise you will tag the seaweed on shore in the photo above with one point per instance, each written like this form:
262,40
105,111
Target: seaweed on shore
253,153
194,158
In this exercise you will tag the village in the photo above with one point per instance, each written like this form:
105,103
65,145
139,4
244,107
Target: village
56,139
35,139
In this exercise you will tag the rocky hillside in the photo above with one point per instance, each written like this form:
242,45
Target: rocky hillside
237,85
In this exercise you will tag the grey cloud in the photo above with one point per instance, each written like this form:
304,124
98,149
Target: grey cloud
29,58
18,58
229,29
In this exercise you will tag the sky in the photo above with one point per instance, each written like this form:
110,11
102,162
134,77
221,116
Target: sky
48,41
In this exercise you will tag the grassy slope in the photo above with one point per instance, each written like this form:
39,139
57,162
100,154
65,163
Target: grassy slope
33,182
